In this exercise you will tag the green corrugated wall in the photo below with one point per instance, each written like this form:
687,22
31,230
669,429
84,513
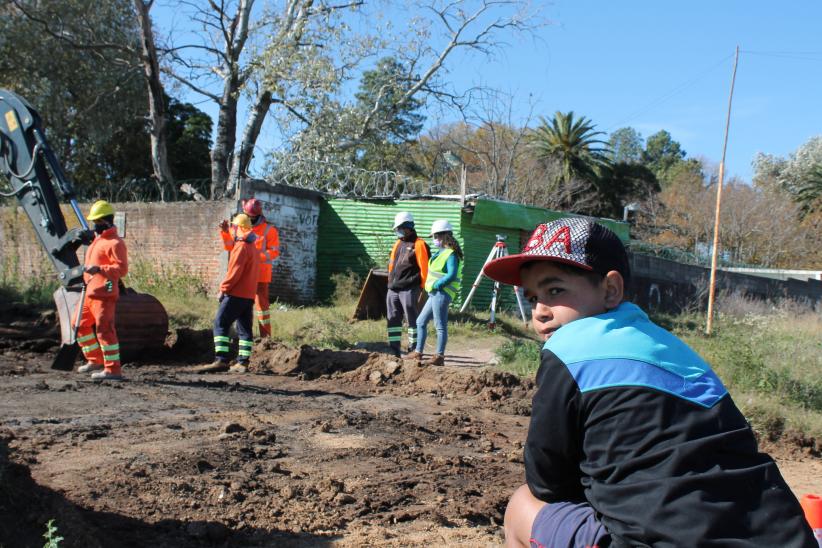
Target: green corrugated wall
357,235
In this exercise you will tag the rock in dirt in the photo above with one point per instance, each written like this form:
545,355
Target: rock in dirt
375,377
391,368
232,427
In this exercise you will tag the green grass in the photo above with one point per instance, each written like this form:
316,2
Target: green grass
183,292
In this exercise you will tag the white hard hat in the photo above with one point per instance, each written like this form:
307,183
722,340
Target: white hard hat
402,217
441,226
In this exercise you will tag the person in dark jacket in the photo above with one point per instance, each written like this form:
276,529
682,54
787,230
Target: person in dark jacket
407,270
633,440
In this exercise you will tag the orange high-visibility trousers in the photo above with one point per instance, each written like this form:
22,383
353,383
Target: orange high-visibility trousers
261,303
102,348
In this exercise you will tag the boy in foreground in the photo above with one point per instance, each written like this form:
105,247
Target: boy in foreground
633,439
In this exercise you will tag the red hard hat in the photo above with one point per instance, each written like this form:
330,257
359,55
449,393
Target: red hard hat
253,207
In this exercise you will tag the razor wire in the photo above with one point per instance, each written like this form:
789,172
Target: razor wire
347,181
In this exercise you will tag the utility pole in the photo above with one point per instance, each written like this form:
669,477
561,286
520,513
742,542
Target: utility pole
715,249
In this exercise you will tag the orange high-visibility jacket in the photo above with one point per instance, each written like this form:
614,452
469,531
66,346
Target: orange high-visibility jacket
267,242
108,251
243,270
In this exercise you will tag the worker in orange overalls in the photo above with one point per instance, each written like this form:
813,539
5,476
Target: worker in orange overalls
106,262
236,300
268,244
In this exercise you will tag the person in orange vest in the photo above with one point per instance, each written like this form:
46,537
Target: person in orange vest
268,245
236,299
407,271
105,263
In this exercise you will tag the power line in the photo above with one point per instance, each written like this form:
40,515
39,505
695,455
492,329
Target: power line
664,97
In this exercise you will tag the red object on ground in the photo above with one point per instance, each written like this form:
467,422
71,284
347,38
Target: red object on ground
812,505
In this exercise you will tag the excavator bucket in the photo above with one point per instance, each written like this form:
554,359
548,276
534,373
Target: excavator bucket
67,303
140,320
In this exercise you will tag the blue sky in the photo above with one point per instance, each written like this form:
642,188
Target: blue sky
667,65
661,65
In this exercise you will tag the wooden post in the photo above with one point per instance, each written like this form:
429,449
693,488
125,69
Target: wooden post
715,249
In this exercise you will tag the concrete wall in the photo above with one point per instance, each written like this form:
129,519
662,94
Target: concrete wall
670,286
185,234
295,213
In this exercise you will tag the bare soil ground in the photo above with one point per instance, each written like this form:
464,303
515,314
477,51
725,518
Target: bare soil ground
316,448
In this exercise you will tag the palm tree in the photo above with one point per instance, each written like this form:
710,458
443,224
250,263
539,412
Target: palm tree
573,143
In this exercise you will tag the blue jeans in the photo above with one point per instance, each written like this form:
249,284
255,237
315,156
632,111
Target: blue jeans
436,306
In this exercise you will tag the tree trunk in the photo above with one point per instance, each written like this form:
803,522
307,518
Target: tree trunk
240,163
226,137
156,100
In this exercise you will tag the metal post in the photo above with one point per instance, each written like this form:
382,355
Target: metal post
715,250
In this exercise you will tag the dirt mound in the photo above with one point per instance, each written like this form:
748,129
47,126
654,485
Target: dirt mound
307,362
503,391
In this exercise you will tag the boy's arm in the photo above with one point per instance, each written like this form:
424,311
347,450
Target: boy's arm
553,450
228,240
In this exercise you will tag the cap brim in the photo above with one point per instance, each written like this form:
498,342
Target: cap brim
507,269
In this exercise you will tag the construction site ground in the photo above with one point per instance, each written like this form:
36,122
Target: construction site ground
314,448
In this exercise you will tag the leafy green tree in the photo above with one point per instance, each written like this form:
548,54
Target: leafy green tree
800,174
623,183
573,143
395,122
662,153
625,145
189,140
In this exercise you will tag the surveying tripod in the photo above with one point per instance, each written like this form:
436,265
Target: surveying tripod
500,249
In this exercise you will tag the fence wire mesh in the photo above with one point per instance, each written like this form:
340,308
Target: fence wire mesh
350,181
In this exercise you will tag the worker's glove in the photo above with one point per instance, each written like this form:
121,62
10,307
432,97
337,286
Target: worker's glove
224,226
93,269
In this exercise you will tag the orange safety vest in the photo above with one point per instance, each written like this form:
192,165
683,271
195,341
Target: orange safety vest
267,243
108,251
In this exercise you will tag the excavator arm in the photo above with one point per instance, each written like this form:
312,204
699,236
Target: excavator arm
28,162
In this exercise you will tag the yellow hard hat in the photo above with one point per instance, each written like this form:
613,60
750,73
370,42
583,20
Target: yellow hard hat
241,220
100,209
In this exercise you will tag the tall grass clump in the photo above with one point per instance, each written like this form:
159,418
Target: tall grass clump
35,290
769,355
183,292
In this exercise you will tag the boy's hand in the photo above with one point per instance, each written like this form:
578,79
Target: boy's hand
224,226
221,297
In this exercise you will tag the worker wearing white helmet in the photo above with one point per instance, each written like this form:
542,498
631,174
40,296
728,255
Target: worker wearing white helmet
407,270
443,285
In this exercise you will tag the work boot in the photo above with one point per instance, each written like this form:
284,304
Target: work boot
436,359
90,367
218,366
239,368
414,355
396,352
106,375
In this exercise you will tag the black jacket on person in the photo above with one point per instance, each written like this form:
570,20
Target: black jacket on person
631,420
409,257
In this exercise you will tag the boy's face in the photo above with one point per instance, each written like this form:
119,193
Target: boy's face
558,297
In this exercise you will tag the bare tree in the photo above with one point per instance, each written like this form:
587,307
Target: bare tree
131,56
293,59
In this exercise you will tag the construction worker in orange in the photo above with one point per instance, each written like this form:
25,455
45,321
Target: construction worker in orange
106,262
268,245
236,300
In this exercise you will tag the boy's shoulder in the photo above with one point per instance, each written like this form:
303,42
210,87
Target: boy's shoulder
623,347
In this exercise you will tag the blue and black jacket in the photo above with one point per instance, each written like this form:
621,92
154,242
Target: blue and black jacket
628,418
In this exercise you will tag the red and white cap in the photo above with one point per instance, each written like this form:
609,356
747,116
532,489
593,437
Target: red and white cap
575,241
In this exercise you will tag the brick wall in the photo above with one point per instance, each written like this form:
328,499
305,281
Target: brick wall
186,234
182,233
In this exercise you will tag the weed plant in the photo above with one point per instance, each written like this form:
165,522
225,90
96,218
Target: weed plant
34,291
